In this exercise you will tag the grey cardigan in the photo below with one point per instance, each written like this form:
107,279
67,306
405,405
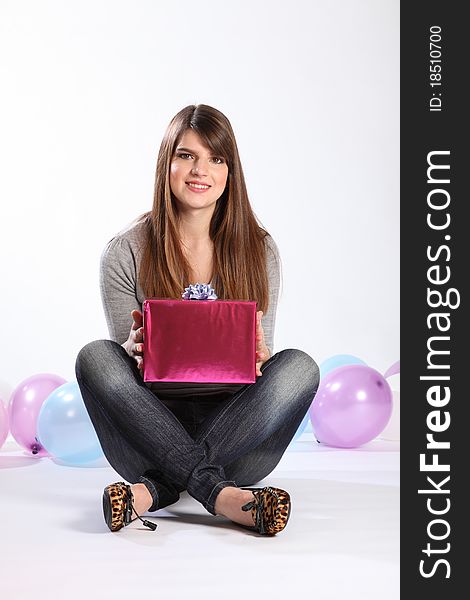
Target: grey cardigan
121,293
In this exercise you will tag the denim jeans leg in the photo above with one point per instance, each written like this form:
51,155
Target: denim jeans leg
249,433
122,456
125,460
258,463
137,432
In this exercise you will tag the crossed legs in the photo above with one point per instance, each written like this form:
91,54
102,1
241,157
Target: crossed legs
240,442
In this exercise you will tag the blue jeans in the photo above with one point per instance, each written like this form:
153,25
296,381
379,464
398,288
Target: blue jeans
200,445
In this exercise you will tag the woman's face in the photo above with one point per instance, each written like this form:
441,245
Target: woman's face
194,162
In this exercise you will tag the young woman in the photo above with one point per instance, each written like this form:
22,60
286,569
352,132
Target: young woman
208,439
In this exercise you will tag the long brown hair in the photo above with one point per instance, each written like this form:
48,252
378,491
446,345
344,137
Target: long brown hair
239,247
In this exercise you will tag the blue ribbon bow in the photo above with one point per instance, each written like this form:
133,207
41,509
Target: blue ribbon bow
199,291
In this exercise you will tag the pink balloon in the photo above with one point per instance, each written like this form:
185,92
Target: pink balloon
353,404
25,404
3,423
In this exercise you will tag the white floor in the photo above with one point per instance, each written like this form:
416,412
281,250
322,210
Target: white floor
341,542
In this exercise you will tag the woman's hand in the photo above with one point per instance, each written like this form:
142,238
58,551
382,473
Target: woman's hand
134,344
262,351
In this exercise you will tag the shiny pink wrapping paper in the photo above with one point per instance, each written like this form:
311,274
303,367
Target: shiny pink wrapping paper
200,341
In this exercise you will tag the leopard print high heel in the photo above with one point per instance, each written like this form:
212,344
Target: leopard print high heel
118,504
270,509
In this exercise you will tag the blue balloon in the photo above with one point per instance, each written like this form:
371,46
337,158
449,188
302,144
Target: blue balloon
64,427
339,360
301,427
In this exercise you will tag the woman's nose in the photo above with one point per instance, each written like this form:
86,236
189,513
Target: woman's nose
199,166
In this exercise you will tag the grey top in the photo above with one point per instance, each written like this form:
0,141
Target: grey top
121,293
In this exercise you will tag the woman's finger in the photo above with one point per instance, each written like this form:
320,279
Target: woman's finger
137,318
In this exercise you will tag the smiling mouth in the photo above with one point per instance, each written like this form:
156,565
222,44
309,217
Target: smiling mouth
197,186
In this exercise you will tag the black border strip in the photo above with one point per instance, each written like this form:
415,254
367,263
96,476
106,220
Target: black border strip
434,259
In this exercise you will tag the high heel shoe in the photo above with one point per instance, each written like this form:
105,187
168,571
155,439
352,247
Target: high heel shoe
118,504
270,509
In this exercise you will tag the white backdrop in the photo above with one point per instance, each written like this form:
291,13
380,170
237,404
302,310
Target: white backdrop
312,91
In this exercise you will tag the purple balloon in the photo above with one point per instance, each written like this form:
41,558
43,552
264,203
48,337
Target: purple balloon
393,370
352,406
4,427
25,404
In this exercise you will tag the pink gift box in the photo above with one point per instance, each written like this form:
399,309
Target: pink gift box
200,341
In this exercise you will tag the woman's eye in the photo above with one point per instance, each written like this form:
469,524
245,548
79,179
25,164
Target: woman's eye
216,159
